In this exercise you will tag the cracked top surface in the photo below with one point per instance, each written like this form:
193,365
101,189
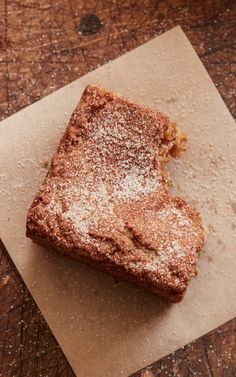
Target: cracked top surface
106,195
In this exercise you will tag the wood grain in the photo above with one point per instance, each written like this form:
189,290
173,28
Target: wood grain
47,44
212,355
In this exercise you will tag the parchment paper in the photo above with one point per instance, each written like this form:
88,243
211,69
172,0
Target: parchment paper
105,328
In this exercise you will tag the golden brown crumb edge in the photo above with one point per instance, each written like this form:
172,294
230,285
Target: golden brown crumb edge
106,197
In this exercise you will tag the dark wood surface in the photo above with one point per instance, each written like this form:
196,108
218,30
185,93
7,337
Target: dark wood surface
47,44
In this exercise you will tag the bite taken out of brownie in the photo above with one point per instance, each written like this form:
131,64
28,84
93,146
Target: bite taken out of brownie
106,198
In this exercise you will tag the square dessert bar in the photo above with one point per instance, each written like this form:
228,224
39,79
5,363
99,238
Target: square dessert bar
106,198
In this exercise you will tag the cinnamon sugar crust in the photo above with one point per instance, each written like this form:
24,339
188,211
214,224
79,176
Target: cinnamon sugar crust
106,197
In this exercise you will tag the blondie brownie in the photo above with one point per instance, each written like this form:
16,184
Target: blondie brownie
106,198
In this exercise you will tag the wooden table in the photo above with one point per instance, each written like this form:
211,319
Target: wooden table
47,44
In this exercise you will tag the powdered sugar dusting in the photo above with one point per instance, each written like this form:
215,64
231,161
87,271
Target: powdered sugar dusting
159,261
134,185
87,205
174,213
